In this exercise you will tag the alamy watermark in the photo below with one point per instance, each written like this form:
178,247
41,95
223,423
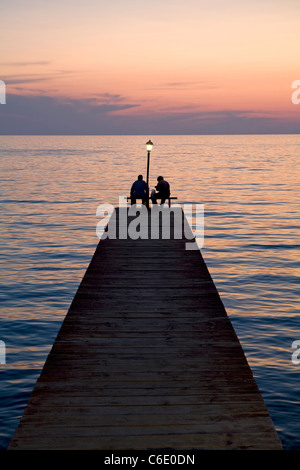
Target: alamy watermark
296,94
2,352
296,353
2,92
187,222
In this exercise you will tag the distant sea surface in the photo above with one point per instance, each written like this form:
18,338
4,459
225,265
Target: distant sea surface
51,187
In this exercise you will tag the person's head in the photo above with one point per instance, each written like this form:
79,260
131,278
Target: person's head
159,178
140,177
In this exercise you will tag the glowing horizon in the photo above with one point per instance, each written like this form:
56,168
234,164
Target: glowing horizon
164,59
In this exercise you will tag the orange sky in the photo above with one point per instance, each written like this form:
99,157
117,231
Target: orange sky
167,57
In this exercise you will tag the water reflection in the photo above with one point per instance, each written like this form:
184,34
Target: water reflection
249,185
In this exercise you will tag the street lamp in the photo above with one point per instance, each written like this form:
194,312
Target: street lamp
149,146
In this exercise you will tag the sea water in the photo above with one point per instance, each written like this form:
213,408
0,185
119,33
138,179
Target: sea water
51,187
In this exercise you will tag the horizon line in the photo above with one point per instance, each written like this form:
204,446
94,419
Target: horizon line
155,134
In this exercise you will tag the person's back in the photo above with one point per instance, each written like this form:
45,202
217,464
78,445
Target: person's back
163,191
139,187
139,190
163,188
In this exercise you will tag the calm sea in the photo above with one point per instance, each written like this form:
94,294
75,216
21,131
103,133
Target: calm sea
249,185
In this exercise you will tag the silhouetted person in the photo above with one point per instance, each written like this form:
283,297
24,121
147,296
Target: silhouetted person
139,189
163,191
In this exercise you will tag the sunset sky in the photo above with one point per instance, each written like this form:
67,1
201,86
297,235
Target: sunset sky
160,67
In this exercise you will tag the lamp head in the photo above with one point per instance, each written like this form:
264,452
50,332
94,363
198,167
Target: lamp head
149,145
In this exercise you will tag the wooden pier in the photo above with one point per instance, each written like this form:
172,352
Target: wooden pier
146,358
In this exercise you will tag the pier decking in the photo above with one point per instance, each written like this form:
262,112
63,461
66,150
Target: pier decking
146,358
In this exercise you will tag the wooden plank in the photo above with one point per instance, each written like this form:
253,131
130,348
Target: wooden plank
200,441
146,358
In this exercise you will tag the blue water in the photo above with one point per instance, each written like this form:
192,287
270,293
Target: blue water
51,187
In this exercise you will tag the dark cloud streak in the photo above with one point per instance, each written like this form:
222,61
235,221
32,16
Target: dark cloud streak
26,64
106,114
23,78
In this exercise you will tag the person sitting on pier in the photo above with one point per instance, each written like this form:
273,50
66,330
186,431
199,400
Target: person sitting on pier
163,191
139,190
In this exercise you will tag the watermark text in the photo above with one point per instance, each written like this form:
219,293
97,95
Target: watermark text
161,222
2,92
296,94
2,352
296,353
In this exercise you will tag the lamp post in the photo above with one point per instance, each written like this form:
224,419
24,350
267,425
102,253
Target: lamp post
149,146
